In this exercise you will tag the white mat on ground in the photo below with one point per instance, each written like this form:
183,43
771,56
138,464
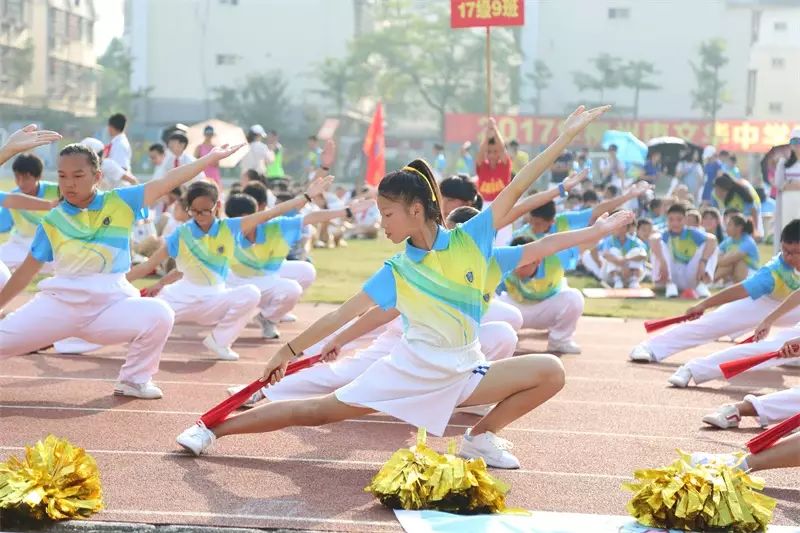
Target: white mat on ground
537,522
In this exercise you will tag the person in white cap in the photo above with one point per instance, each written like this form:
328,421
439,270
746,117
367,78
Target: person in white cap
787,183
114,176
259,155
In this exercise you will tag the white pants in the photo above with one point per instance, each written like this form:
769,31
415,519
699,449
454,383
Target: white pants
734,319
612,271
229,310
500,311
14,251
278,295
591,265
558,314
302,272
108,317
684,276
5,274
707,368
775,406
498,341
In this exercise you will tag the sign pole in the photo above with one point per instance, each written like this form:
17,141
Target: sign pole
488,71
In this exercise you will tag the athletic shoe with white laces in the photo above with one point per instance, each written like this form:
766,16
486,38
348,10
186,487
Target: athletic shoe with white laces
289,317
197,438
254,398
493,449
671,290
146,391
702,290
641,354
479,410
725,417
222,352
566,347
681,377
268,328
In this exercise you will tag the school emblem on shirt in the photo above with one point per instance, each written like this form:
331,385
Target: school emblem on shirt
486,297
221,249
470,277
107,221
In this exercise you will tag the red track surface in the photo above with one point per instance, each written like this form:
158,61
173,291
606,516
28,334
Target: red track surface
612,418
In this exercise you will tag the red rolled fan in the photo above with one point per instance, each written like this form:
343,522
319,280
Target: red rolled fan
748,340
767,438
737,366
220,412
143,292
654,325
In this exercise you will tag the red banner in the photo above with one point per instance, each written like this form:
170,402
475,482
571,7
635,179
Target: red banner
480,13
733,135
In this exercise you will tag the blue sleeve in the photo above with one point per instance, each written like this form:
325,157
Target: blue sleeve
725,244
6,221
699,237
750,248
760,284
381,288
234,224
481,229
173,243
41,250
508,258
134,197
2,198
291,229
578,219
604,245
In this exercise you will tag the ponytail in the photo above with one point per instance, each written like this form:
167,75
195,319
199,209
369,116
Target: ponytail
414,183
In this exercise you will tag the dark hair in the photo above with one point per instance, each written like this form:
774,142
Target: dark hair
180,137
178,191
792,159
574,196
258,192
459,215
642,222
724,153
738,220
239,205
613,147
28,164
156,147
546,211
283,197
253,175
251,136
589,196
677,208
522,240
414,183
199,189
461,187
312,138
731,211
613,190
491,141
655,203
438,146
513,143
79,149
727,183
791,232
117,121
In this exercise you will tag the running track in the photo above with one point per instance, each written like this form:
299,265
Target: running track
612,418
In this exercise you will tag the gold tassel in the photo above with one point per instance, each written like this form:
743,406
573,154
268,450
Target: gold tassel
420,478
56,479
697,498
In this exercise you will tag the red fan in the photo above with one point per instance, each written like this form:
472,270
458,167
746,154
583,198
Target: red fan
220,412
143,292
767,438
748,340
737,366
655,325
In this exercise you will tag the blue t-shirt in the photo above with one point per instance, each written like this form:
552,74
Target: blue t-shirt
744,244
685,244
711,170
777,279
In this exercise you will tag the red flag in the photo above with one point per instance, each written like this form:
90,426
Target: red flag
375,149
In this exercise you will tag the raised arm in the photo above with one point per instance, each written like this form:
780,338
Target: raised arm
28,203
355,207
155,189
607,206
316,187
26,139
574,124
540,198
372,319
20,279
148,267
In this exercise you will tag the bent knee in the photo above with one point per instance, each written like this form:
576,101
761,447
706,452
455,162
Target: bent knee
550,370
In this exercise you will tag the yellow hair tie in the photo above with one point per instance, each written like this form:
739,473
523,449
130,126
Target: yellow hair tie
426,180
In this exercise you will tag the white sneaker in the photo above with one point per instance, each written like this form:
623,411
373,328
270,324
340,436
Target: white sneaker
146,391
222,352
479,410
725,417
254,398
289,317
702,290
634,284
569,346
618,284
493,450
197,438
671,290
641,354
268,329
681,377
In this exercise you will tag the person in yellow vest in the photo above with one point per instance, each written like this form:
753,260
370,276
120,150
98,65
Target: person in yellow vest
275,168
519,158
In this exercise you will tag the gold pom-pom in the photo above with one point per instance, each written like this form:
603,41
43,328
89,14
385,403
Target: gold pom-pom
420,478
56,479
698,498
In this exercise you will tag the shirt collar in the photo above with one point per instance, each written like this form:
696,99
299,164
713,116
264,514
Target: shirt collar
197,231
441,242
95,205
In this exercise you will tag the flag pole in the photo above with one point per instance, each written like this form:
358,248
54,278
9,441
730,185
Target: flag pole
488,71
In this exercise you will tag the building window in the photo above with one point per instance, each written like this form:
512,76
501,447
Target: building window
780,25
752,76
775,107
619,13
778,62
227,59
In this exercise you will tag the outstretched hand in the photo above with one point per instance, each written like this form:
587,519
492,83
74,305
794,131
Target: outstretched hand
638,188
581,117
28,138
319,186
359,206
609,223
218,153
574,179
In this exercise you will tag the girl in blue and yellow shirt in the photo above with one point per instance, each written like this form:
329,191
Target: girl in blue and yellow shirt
739,257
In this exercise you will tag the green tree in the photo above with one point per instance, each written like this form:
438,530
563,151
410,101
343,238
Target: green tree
341,80
260,99
709,93
114,93
634,75
540,78
607,76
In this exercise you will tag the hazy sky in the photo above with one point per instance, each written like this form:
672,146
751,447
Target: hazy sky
110,23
